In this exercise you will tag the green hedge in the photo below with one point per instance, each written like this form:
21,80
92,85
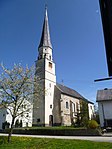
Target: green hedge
57,132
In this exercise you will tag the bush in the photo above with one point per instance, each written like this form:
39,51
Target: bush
92,124
84,122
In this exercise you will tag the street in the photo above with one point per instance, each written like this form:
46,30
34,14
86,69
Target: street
105,138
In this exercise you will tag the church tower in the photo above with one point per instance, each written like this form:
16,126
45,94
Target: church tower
46,78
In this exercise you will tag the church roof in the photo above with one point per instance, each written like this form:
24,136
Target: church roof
104,95
69,91
45,37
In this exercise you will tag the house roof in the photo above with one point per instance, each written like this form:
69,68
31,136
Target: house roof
104,95
90,102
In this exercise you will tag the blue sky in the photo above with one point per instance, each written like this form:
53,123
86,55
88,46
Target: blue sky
76,35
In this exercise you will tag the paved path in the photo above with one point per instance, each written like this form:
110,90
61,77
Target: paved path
94,138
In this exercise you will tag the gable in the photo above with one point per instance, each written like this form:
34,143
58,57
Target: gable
104,95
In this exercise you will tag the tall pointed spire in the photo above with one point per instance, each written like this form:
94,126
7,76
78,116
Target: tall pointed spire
45,38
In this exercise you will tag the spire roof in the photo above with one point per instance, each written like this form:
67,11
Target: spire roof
45,37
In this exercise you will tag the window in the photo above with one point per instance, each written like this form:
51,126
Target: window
91,107
27,124
45,55
49,84
50,106
67,105
50,57
27,115
73,107
50,64
38,120
23,106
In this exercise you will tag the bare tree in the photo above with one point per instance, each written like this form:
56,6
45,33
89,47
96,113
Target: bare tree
16,92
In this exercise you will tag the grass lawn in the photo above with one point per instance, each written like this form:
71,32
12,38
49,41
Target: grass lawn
35,143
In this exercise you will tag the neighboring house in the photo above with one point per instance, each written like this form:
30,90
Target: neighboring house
60,104
23,120
104,99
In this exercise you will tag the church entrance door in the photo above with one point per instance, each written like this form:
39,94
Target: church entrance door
50,120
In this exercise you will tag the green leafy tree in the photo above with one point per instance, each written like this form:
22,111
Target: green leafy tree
83,114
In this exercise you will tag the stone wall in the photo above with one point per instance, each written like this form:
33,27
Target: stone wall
69,113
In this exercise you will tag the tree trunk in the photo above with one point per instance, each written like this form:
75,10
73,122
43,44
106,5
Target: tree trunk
10,134
11,130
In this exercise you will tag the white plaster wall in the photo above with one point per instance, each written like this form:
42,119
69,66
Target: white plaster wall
101,115
26,120
28,115
105,111
47,68
50,82
49,100
8,116
43,102
91,110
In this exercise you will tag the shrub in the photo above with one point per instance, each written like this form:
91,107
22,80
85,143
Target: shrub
84,122
92,124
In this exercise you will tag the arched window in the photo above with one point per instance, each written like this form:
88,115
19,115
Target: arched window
50,57
67,105
49,84
73,107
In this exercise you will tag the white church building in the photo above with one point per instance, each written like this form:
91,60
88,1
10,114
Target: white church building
59,105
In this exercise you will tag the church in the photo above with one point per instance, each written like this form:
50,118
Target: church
59,105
